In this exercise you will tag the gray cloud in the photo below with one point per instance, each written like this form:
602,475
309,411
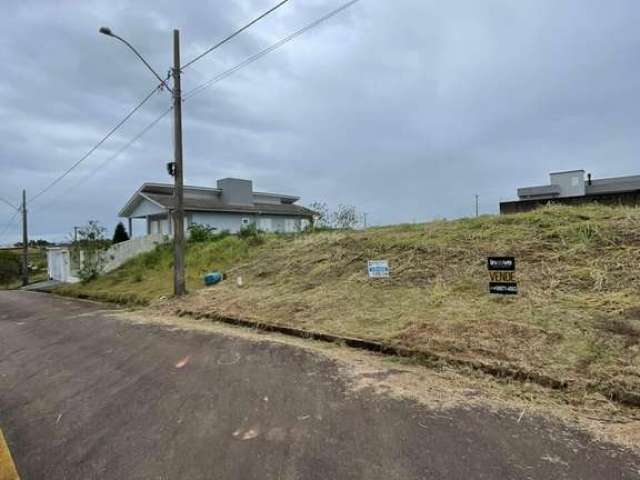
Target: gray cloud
405,109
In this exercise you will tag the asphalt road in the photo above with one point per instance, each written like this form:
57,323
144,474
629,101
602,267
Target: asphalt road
86,396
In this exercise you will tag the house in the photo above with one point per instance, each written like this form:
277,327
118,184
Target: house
572,188
230,206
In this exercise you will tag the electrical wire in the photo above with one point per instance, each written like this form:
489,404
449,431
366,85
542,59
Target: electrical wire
97,145
233,35
195,91
120,151
9,224
266,51
7,202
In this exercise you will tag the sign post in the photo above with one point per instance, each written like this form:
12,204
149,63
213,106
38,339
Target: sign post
502,275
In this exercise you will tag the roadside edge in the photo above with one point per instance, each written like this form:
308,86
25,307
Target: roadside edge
8,469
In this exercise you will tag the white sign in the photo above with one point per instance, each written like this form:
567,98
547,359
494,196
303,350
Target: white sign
378,268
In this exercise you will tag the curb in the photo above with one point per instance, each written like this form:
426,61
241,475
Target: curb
7,467
613,393
499,371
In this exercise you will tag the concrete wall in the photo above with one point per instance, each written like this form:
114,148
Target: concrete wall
571,184
119,253
236,191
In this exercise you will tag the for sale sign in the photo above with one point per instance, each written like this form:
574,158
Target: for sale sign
502,275
378,268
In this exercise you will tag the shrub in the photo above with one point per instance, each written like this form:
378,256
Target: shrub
204,233
200,233
9,267
251,234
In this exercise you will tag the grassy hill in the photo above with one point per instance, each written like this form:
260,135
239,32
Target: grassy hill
577,316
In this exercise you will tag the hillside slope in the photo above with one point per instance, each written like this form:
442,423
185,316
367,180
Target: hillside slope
577,316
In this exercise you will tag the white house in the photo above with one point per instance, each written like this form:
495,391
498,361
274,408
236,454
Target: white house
230,206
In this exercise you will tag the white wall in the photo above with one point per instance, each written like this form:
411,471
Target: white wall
59,265
147,208
119,253
233,221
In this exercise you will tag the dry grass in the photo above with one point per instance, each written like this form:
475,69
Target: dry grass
577,317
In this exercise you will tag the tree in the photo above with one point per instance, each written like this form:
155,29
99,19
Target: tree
321,219
89,249
120,234
345,216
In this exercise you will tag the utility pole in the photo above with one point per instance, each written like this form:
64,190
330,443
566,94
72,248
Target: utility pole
25,241
179,287
477,205
364,217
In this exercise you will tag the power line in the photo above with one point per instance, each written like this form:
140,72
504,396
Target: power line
97,145
268,50
120,151
7,202
9,223
221,76
234,34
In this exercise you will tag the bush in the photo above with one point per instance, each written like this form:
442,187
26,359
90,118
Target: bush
9,267
200,233
204,233
251,234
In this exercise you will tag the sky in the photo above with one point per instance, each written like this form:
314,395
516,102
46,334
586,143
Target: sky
404,109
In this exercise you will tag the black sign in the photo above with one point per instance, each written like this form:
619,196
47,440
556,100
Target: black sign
502,275
501,263
503,288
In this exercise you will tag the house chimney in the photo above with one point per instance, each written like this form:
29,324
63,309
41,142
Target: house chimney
589,179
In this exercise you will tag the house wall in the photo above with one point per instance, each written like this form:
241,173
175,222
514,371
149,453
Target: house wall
146,208
158,225
571,184
236,191
233,221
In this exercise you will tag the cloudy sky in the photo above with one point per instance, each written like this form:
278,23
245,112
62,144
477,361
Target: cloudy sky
405,108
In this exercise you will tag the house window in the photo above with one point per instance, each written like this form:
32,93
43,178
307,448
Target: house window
245,221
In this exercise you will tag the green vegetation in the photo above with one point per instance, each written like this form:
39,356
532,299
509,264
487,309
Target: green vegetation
11,267
150,276
577,316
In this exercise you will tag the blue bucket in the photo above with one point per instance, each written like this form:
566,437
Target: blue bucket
212,278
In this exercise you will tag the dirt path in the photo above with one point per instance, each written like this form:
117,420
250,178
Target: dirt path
86,395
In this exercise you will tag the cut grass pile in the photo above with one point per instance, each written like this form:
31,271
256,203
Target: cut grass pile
577,316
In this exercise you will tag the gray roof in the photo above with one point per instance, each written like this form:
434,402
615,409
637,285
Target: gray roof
208,199
614,185
216,205
549,190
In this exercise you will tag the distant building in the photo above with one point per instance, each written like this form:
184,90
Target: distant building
230,206
573,188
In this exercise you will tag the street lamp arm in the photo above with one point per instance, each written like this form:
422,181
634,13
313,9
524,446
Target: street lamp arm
108,32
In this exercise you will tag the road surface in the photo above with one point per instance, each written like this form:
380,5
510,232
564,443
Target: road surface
84,395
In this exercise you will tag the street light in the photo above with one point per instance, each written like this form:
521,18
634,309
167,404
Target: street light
107,31
179,286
